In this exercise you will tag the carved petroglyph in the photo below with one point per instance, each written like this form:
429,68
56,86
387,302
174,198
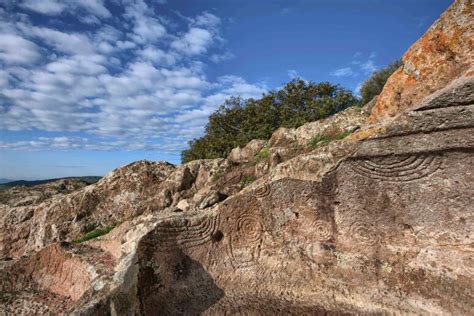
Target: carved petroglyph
262,191
232,178
398,168
323,230
364,233
245,241
188,232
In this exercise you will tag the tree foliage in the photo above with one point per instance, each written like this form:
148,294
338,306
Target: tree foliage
238,121
374,85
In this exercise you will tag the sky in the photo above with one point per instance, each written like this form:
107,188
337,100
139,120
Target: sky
89,85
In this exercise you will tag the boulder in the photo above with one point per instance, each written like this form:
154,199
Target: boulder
444,53
246,154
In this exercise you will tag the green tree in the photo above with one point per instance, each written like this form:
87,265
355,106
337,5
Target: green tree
374,85
238,121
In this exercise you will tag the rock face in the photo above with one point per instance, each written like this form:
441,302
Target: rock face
378,222
442,54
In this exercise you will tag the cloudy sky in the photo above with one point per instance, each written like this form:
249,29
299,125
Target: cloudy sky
89,85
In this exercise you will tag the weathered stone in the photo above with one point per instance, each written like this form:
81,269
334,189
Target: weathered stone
377,223
331,127
444,53
246,154
211,199
183,205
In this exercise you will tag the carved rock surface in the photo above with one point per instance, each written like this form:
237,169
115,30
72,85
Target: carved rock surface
377,223
445,52
378,226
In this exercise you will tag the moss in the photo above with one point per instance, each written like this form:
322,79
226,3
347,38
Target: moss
322,140
246,180
94,234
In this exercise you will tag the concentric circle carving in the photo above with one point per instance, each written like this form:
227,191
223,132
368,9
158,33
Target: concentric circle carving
364,233
249,228
262,191
398,168
323,230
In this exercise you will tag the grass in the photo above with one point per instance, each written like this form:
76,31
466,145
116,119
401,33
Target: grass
217,175
94,234
246,180
322,140
263,154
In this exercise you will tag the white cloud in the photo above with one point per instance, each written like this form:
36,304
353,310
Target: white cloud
158,56
71,43
218,58
293,74
360,66
206,20
49,7
195,41
368,67
128,83
17,50
55,7
343,72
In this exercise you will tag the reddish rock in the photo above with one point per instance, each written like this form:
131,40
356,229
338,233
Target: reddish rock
444,53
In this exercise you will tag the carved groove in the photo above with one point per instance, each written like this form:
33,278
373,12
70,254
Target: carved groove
262,191
244,244
187,234
323,230
399,168
364,233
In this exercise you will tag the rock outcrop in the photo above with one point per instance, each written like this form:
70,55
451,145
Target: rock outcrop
339,216
442,54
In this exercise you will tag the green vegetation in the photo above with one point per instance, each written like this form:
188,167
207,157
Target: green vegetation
216,176
238,121
321,140
374,85
246,180
263,154
94,234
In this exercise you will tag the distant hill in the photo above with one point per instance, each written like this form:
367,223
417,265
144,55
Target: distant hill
5,180
9,184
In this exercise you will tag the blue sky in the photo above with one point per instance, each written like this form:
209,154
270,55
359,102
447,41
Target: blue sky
89,85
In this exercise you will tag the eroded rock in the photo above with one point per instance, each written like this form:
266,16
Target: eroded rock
442,54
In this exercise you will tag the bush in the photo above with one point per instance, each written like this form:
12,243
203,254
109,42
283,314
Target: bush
321,140
238,121
246,180
94,234
263,154
374,85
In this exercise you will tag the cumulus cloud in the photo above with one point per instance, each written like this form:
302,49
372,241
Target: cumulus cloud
55,7
123,83
17,50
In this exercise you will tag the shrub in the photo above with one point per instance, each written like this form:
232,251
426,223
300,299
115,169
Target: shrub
374,85
321,140
238,121
263,154
94,234
246,180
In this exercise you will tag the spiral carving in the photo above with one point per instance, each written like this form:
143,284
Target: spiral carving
249,228
323,230
262,191
364,233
